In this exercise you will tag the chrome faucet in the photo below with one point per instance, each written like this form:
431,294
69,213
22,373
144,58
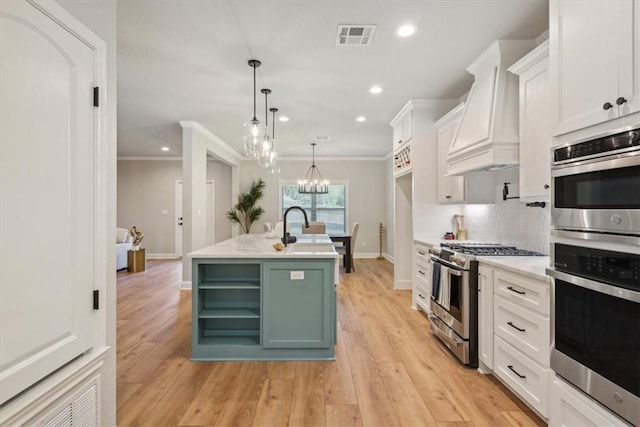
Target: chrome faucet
287,238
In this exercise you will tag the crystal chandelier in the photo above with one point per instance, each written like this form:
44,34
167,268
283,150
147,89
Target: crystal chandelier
313,183
253,131
273,162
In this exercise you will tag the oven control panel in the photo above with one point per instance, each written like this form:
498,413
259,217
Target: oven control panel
615,142
615,268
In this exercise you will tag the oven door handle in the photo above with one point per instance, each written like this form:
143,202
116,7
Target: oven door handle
621,160
603,288
455,270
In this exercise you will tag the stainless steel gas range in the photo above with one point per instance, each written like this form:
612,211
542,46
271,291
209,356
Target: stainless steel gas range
454,294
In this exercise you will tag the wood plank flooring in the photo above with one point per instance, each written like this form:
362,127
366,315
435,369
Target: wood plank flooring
389,369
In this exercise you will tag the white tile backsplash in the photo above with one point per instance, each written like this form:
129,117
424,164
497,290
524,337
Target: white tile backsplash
509,222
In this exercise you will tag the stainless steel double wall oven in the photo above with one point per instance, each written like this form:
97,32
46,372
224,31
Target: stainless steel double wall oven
595,259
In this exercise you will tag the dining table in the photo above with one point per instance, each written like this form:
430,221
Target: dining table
345,239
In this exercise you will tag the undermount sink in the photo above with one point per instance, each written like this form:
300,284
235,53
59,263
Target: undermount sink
302,247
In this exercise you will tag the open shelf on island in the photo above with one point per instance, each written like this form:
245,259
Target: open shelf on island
230,313
229,284
229,332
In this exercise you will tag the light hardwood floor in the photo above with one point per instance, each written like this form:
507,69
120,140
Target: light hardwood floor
389,369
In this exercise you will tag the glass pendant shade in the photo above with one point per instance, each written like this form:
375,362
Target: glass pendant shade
269,157
313,183
253,131
253,134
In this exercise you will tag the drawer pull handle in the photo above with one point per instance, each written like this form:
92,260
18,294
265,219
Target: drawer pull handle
421,253
516,372
515,290
421,272
421,296
515,327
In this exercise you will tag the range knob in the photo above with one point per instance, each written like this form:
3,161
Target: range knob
435,251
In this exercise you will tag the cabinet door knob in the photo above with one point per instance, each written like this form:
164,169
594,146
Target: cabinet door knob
546,186
621,100
607,106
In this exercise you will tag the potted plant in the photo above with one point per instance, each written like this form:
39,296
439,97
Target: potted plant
245,212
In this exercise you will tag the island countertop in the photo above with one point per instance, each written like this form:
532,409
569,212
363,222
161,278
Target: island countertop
260,246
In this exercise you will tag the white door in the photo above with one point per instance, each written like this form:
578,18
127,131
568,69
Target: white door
48,147
179,219
210,215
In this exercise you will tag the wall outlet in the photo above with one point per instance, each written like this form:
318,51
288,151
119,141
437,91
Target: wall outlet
296,275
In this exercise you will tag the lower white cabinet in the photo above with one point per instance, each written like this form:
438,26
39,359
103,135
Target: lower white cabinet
485,319
421,278
527,379
571,408
514,332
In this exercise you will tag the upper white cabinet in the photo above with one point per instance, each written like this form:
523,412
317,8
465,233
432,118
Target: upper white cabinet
594,61
535,133
402,135
450,188
402,127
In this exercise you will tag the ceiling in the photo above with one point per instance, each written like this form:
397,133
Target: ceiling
187,60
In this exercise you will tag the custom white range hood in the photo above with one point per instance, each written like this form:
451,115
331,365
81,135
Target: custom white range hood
487,138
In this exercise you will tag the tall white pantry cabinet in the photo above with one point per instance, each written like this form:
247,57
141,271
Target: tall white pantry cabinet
53,215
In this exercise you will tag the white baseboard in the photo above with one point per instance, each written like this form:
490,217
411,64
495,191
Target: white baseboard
389,258
162,256
365,255
403,284
186,285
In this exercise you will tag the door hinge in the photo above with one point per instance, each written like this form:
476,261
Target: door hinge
96,299
96,96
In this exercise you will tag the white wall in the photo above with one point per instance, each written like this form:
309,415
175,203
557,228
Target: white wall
146,188
367,193
509,222
221,174
100,17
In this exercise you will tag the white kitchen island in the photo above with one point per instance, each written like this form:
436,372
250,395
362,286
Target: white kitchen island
251,302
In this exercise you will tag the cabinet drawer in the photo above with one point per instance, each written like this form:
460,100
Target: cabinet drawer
421,296
422,254
525,330
522,290
525,377
423,273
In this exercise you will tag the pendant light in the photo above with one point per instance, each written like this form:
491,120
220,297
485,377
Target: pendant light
273,165
266,144
253,130
313,182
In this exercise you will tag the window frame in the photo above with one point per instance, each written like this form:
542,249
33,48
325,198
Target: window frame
344,182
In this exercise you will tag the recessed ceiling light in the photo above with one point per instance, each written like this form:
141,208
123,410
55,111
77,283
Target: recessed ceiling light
284,119
361,119
406,30
375,89
165,148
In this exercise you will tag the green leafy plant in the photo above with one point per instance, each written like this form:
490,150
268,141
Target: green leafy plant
245,212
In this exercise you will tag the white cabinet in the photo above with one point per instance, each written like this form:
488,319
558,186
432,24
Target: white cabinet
421,278
514,332
450,188
594,61
402,127
571,408
402,135
535,132
485,319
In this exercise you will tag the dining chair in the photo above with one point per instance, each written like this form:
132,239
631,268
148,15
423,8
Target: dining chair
315,227
343,249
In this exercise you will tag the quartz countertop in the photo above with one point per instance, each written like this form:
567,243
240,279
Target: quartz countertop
261,246
532,266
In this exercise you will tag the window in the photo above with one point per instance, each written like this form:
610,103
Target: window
330,208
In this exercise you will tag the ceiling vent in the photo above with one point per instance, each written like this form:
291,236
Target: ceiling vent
355,35
321,138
